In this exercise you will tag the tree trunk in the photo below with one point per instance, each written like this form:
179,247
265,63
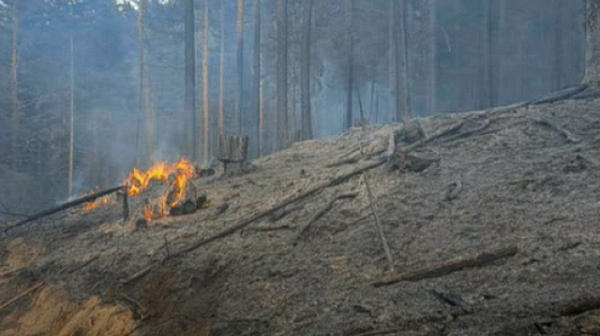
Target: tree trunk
487,59
191,140
558,25
256,87
205,110
16,110
282,50
396,35
432,99
407,91
307,131
71,109
240,66
349,36
592,48
393,109
146,114
222,73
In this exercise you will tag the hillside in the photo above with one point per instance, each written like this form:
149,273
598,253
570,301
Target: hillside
513,182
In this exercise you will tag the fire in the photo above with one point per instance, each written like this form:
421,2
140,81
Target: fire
176,175
95,204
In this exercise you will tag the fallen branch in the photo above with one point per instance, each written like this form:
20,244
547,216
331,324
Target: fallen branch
20,296
270,228
321,213
138,275
65,206
568,135
380,332
11,272
451,298
378,227
142,311
580,306
82,265
554,97
433,137
451,266
481,128
277,215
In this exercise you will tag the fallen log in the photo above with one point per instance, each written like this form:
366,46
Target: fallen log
65,206
552,98
20,296
477,130
580,306
451,266
437,135
378,227
322,213
566,134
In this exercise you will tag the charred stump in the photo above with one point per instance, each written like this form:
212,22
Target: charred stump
233,151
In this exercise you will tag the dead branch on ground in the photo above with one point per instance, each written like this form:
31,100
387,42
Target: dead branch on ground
277,215
11,272
378,227
322,213
20,296
477,130
453,265
65,206
580,306
566,134
437,135
385,331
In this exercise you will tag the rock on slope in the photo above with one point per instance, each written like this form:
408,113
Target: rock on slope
515,180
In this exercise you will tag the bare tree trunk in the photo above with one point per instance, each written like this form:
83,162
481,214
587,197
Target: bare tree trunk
407,87
191,141
350,37
240,66
222,72
307,131
558,25
205,110
256,87
486,62
71,109
146,113
396,34
261,118
16,110
432,99
282,51
393,109
592,50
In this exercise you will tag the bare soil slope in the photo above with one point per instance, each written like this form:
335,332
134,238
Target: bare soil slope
516,181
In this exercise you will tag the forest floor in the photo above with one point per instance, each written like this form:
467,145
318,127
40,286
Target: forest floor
514,185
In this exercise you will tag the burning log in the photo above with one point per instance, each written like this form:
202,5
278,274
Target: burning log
233,150
65,206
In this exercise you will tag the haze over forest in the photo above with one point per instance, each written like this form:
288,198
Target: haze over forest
91,88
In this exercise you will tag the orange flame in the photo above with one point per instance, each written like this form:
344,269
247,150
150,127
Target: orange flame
180,173
95,204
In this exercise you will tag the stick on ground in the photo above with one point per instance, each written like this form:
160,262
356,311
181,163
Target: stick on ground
378,227
65,206
20,296
321,213
568,135
452,265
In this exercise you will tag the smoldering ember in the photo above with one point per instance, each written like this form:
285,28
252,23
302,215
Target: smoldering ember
299,167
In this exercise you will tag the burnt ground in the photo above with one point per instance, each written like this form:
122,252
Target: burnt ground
521,183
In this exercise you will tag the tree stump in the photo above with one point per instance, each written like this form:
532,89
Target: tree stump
233,151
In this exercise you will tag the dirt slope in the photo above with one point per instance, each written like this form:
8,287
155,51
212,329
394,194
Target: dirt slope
517,182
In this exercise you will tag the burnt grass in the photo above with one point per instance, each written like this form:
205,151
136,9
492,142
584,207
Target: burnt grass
521,183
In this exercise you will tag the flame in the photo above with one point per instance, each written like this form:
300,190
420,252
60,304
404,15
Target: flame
95,204
180,173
